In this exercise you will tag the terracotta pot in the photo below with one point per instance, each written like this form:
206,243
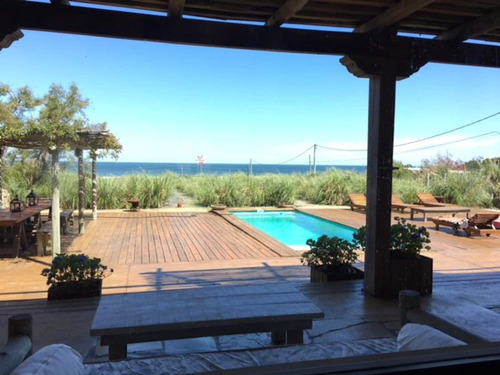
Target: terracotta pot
179,204
73,289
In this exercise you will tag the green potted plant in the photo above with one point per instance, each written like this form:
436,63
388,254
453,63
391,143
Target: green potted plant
331,259
75,276
408,269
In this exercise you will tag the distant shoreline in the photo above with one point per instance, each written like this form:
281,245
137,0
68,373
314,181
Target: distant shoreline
117,169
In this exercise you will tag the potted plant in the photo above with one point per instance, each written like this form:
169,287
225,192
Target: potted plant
408,269
75,276
331,259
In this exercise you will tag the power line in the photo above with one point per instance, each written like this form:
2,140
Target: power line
449,143
289,160
449,131
419,140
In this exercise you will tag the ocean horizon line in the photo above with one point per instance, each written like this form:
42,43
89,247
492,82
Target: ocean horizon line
122,168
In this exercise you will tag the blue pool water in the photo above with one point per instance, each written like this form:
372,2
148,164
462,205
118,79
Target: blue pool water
294,228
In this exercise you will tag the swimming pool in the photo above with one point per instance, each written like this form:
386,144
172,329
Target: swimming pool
294,228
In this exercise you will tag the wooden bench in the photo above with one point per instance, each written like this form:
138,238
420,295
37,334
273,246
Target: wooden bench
66,218
213,311
44,238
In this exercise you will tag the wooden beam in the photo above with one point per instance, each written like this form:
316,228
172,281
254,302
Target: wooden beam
175,8
9,36
285,12
113,24
392,15
478,26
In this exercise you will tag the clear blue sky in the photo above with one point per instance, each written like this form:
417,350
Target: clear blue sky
170,103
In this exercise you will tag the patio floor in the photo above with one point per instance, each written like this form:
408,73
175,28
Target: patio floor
158,250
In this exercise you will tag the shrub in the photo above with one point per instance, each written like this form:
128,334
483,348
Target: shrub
329,252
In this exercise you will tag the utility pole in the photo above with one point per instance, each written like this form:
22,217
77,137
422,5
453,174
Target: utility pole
314,158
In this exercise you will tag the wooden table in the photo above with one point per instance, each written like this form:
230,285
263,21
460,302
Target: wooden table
15,221
212,311
438,210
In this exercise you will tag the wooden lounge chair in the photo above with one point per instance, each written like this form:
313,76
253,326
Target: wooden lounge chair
398,204
358,200
427,199
448,221
482,224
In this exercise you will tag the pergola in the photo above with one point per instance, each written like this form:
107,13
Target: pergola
92,140
372,45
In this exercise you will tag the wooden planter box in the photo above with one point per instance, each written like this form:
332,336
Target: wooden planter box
72,290
409,274
322,275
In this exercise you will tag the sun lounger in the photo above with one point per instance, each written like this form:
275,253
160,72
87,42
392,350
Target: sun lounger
427,199
448,221
482,224
358,201
398,204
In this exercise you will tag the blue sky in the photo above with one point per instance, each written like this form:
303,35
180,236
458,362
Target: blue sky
170,103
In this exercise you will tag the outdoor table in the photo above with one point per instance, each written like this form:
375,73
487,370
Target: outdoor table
16,221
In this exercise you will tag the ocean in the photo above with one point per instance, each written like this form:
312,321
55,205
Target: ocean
109,169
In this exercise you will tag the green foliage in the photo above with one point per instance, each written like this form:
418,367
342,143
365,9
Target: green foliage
405,237
334,186
329,252
466,189
75,268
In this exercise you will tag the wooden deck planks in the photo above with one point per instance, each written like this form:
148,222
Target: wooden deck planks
158,237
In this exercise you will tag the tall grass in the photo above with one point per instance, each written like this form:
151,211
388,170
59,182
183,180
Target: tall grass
479,188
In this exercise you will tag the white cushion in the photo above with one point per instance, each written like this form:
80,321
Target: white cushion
417,336
57,359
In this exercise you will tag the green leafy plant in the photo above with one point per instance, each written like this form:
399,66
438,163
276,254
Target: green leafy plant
405,237
329,252
75,268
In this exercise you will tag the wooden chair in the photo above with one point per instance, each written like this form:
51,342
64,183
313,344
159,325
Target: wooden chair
482,224
427,199
358,200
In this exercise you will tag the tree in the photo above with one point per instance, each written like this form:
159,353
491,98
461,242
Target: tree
16,111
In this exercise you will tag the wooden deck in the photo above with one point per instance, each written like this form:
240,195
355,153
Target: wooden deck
148,237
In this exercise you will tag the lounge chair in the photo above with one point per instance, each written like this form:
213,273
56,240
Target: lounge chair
398,204
358,200
478,224
482,224
429,200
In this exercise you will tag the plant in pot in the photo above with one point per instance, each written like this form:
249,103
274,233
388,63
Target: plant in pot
75,276
331,259
408,269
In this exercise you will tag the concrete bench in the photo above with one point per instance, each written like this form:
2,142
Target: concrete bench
213,311
44,239
66,218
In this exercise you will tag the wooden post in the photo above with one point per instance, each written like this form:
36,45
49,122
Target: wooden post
379,184
19,343
56,220
93,155
21,324
408,300
81,191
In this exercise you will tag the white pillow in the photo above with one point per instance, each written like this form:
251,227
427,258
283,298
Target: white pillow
57,359
417,336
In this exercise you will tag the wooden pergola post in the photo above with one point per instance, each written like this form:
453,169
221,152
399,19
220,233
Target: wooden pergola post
56,229
383,74
379,180
93,155
81,191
